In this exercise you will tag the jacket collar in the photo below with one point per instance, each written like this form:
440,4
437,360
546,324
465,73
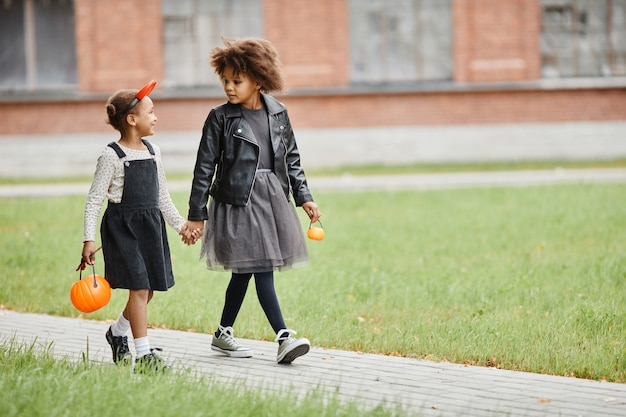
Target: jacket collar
272,105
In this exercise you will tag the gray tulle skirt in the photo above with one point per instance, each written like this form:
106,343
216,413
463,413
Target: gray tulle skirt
265,235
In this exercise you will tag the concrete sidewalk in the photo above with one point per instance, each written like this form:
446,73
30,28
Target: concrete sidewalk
42,156
75,155
420,387
350,183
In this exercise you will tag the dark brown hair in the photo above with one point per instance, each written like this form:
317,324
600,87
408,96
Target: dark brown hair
256,58
116,104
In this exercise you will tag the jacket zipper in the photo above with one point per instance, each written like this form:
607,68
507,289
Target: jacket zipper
255,170
285,167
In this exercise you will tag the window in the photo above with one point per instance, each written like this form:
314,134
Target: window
400,40
583,38
191,28
37,44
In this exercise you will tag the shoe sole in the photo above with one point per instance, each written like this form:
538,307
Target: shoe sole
150,368
233,353
294,353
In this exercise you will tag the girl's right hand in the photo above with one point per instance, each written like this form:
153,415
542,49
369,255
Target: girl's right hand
89,252
192,231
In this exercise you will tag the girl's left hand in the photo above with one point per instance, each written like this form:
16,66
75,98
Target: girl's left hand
191,232
311,210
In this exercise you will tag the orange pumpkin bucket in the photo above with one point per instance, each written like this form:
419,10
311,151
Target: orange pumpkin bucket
91,293
316,233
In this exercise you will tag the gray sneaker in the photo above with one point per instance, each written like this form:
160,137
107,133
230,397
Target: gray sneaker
291,348
227,345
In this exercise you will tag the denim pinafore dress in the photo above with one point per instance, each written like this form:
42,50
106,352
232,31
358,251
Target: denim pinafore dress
134,239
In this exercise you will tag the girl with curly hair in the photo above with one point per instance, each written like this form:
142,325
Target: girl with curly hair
249,164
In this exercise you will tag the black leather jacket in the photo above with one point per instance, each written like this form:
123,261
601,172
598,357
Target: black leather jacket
228,157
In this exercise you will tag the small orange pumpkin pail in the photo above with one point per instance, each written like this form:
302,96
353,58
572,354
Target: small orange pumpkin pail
91,293
316,233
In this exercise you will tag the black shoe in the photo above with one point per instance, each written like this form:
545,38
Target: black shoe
119,346
151,363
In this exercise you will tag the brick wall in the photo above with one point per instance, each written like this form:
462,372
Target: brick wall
313,41
458,108
496,40
118,43
312,111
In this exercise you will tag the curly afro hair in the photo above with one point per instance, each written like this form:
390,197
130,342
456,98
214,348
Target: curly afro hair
256,58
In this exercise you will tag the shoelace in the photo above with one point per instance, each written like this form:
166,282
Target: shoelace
280,337
227,333
153,354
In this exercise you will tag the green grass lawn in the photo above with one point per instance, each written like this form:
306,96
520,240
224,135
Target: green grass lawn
34,384
529,279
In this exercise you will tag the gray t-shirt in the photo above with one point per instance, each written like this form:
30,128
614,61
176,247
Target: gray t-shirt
258,121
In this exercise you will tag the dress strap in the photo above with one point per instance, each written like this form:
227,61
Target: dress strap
120,153
149,146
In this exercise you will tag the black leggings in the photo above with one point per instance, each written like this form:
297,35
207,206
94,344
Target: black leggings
236,292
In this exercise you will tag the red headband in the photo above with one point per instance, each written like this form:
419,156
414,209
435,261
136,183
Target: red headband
145,90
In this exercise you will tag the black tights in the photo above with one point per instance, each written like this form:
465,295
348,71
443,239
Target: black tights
236,292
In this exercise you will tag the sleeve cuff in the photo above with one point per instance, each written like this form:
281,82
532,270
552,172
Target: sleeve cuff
198,214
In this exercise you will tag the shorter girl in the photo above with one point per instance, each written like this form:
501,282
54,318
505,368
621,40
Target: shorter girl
130,175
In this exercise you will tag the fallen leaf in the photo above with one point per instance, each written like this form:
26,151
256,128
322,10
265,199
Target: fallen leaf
491,363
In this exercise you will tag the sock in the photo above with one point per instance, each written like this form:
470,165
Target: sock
218,332
120,326
284,337
142,346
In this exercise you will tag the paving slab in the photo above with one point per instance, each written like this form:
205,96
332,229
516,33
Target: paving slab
419,387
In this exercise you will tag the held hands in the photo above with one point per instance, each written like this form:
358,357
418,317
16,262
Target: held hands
192,231
311,210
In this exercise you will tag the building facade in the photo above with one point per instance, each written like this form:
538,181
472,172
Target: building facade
346,62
